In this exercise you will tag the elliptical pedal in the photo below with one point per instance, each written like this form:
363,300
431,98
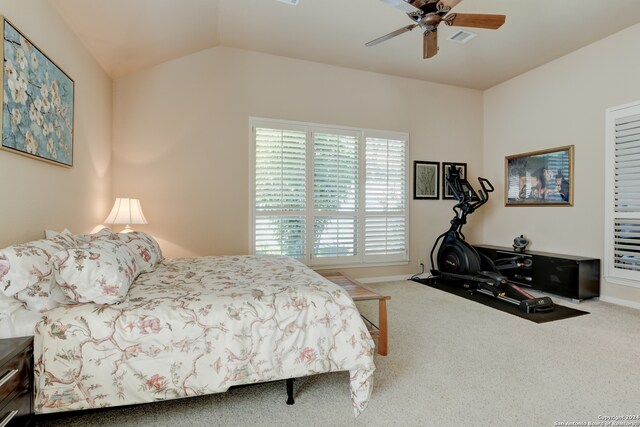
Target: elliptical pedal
537,305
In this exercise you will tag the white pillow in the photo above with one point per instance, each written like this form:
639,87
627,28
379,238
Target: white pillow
65,236
38,297
147,250
26,272
100,272
88,238
8,305
25,265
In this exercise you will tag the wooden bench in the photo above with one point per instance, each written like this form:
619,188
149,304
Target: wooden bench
361,292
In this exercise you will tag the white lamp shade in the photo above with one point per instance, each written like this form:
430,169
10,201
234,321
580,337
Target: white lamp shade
126,211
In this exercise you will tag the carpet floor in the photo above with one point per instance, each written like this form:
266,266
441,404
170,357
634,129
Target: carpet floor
451,362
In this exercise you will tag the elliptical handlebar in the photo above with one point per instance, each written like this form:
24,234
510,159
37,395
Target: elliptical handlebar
486,185
468,199
487,188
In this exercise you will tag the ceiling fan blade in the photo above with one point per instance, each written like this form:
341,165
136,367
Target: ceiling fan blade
402,5
430,44
492,22
450,3
391,35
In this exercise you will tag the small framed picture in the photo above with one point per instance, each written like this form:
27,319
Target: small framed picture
446,191
425,180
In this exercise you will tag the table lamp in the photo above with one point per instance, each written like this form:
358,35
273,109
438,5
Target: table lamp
126,211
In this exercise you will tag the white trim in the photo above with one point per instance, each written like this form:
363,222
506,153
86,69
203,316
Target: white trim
261,121
252,186
381,279
620,301
612,274
321,267
621,281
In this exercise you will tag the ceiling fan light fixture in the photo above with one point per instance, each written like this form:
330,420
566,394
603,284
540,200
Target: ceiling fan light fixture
462,36
290,2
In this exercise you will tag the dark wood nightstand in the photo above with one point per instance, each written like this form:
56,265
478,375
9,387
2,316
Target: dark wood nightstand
16,381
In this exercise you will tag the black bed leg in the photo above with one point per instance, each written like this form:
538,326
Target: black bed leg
290,400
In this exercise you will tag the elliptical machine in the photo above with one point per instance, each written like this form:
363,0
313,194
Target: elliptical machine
459,262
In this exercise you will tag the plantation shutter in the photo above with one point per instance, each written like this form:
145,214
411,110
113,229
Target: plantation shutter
623,193
280,192
385,223
329,196
335,196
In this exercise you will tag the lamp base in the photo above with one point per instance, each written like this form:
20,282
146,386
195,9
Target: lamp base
127,229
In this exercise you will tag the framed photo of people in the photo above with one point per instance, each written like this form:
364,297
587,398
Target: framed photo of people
540,178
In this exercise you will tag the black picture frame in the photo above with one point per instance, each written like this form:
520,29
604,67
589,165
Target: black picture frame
446,192
426,176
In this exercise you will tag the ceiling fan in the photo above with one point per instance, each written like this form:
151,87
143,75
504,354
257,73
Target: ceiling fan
428,14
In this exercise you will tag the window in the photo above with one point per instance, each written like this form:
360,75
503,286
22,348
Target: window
328,195
622,229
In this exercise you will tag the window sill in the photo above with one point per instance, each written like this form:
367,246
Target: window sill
624,282
367,265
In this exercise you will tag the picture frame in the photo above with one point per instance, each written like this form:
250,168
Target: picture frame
446,192
426,176
38,108
540,178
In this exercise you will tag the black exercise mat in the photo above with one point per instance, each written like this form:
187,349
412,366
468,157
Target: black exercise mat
559,312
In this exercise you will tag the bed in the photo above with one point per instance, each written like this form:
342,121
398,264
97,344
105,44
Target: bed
197,326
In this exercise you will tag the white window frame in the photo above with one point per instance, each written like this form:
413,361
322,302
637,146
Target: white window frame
611,273
360,260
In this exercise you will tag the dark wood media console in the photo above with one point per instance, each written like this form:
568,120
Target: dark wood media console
565,275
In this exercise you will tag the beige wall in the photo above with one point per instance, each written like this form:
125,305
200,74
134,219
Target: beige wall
37,195
181,139
561,103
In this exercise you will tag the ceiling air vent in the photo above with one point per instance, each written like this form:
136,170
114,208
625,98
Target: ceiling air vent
462,36
291,2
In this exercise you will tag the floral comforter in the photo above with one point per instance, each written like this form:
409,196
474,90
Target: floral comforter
197,326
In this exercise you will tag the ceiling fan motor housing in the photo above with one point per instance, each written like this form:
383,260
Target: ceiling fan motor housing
432,19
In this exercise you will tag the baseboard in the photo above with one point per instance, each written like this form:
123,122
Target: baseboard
619,301
383,278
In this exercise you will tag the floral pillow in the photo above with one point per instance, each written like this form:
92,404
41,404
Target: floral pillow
100,272
38,297
65,237
147,250
26,272
88,238
26,265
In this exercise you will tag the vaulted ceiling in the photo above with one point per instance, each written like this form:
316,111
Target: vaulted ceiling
128,35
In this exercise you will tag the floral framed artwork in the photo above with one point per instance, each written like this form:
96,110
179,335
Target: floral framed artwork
37,113
446,191
540,178
425,180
